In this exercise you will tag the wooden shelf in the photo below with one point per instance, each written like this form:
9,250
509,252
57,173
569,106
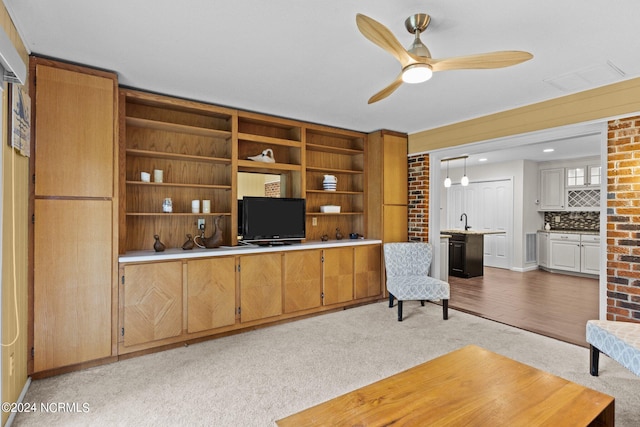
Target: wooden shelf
268,140
178,128
332,170
333,213
336,150
250,165
172,184
176,156
177,214
355,193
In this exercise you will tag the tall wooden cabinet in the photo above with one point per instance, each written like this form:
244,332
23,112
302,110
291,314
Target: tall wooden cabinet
387,208
74,210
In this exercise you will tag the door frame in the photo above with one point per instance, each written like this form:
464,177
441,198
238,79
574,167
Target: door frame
436,179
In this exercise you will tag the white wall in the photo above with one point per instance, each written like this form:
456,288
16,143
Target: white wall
526,218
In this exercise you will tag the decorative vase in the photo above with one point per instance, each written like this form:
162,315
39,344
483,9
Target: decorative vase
158,245
189,244
338,234
329,183
547,226
215,240
324,237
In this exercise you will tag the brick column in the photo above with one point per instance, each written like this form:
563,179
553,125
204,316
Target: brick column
623,220
419,198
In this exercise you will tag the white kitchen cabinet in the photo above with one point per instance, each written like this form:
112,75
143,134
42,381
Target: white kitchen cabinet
552,190
590,254
584,176
543,249
564,251
572,252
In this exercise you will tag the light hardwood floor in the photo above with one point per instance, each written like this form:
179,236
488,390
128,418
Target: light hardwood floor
550,304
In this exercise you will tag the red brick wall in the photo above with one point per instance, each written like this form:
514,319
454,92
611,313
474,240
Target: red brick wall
272,189
419,198
623,220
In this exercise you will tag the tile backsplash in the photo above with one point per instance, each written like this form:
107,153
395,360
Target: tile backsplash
587,221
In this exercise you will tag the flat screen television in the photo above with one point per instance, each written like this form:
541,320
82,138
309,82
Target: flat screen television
272,220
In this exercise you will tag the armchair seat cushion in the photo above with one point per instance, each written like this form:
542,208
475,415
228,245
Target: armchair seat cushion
407,288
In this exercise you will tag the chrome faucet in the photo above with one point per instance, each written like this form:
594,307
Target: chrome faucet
466,227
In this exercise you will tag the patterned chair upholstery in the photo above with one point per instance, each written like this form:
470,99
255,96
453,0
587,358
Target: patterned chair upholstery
618,340
407,270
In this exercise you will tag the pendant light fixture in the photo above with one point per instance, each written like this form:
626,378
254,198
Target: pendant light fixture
447,180
465,179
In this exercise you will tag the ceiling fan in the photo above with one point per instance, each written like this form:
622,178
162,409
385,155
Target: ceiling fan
417,63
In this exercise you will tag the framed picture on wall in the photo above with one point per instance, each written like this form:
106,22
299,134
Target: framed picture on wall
20,120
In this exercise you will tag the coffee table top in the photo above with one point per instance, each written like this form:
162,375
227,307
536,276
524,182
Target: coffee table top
469,386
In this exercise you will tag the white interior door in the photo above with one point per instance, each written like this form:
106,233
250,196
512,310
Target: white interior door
489,207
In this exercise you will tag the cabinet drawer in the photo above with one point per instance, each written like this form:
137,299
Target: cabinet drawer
590,238
565,237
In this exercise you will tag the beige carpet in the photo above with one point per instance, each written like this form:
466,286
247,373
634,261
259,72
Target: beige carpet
255,378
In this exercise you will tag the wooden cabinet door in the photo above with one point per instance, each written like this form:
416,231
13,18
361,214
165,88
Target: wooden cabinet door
211,293
367,271
260,286
395,171
302,280
74,127
73,280
337,280
152,302
396,223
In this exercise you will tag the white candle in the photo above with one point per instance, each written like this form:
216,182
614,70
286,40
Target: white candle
157,175
195,206
206,206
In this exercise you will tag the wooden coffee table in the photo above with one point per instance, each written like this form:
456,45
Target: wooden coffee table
469,386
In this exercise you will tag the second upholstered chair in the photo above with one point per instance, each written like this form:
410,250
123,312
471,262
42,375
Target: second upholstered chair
407,270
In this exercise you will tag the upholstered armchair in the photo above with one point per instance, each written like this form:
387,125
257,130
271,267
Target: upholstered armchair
407,270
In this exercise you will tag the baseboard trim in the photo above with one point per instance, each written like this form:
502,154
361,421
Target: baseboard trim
524,270
12,416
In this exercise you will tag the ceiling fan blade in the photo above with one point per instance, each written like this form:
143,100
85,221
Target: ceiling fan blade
501,59
381,36
387,90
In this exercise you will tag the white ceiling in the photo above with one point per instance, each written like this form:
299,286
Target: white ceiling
307,60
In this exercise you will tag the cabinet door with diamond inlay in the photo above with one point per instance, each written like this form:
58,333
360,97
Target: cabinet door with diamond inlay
152,302
260,286
211,290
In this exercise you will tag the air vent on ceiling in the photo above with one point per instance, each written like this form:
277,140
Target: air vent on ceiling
587,78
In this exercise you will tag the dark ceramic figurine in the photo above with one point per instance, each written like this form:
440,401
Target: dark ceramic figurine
158,245
189,244
338,234
215,241
324,237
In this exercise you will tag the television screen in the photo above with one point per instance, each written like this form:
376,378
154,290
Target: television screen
273,219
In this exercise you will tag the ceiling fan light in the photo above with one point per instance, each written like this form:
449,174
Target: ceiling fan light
416,73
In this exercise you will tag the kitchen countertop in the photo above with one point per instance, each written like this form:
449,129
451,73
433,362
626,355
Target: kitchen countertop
471,231
570,231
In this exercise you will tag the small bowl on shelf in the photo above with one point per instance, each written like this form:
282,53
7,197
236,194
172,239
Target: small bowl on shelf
330,209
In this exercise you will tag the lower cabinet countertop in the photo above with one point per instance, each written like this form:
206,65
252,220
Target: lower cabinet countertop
570,231
179,253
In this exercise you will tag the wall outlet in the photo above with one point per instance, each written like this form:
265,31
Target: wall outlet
200,223
314,221
556,218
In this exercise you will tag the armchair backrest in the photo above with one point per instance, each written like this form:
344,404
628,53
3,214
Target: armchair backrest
407,259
